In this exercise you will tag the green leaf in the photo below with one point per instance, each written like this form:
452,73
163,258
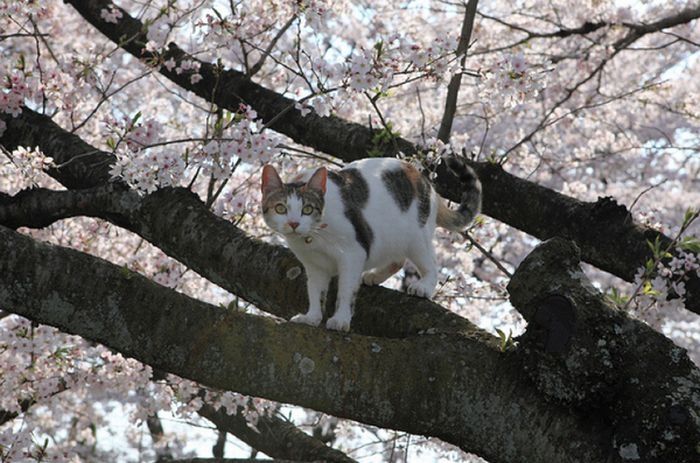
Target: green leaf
690,243
655,246
379,46
126,273
689,216
506,340
617,298
61,352
649,265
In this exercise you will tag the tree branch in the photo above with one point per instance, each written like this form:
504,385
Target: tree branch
275,437
591,356
453,87
350,141
452,387
507,198
268,276
239,460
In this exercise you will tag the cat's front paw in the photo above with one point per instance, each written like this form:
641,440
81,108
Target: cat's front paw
338,323
420,289
307,319
370,278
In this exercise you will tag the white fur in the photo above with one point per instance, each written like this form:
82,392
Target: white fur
334,250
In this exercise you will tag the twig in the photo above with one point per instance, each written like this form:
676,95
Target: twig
486,253
257,66
456,80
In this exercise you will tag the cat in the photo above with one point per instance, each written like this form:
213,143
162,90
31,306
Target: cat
361,223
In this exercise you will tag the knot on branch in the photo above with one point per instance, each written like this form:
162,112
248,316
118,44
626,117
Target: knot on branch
607,209
562,351
547,267
557,318
584,353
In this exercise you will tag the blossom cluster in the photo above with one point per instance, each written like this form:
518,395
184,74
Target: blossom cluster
31,164
191,399
668,280
243,140
17,87
145,165
38,364
511,80
111,14
143,168
23,85
389,63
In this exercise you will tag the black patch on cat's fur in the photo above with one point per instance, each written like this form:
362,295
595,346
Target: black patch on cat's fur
354,192
423,201
400,187
470,202
403,191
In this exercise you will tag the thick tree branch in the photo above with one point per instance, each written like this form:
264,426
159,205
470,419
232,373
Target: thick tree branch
618,246
452,387
640,30
604,231
591,356
83,165
265,275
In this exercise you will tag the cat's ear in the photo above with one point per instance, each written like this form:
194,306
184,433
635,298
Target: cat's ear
271,181
318,180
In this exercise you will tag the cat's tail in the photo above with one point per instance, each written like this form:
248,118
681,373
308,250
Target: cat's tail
470,202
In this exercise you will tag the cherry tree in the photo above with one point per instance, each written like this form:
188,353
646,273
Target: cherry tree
137,277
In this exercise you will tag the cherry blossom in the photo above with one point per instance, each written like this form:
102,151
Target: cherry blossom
567,108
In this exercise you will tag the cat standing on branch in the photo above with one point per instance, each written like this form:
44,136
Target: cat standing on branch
362,225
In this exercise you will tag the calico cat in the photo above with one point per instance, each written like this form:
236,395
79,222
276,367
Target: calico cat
361,223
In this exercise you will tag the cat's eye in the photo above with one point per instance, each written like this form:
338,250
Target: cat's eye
307,210
281,209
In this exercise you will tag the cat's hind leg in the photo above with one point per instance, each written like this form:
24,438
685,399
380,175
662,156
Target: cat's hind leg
316,287
422,254
379,275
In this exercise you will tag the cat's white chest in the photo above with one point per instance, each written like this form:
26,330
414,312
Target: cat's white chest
317,250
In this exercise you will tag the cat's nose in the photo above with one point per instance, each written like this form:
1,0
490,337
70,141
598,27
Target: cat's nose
294,225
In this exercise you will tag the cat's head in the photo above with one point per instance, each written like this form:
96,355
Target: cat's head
293,208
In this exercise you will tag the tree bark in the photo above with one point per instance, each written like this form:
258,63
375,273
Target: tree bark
579,356
506,197
459,389
586,354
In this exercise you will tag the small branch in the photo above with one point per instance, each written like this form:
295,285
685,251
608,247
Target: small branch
275,437
239,460
220,447
488,254
453,87
257,66
155,427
